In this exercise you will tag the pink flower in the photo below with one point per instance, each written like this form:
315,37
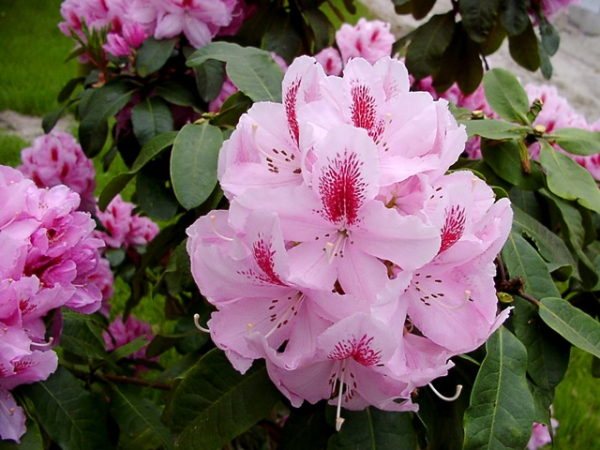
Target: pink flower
541,435
370,40
121,333
12,418
198,20
331,61
551,7
116,45
342,225
123,228
57,158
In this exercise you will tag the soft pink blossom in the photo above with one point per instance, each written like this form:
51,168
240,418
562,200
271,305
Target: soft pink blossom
57,158
121,333
12,418
370,40
541,435
331,61
122,227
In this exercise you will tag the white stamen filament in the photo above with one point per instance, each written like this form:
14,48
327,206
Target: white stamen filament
197,323
443,397
333,249
43,344
339,420
213,219
289,312
273,157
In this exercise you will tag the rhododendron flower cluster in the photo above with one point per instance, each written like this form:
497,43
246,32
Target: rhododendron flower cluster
123,228
57,158
129,22
368,39
48,260
121,333
349,260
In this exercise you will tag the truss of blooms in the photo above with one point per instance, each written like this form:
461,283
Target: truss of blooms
129,22
349,259
49,258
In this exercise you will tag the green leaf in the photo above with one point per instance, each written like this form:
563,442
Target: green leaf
523,261
569,180
321,28
478,17
550,37
429,43
305,428
154,195
373,429
524,49
421,8
209,79
50,120
494,40
149,151
282,37
545,63
153,54
128,349
547,352
150,118
71,416
501,412
577,141
469,76
103,103
505,160
571,323
139,420
68,89
514,16
574,229
82,335
194,163
180,93
232,109
551,247
494,129
506,96
253,71
214,403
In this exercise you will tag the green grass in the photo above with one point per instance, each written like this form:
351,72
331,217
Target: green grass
10,149
577,406
32,56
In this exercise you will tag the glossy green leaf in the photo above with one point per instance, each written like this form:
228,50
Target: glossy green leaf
154,196
569,180
149,151
494,40
514,16
128,349
373,429
522,260
232,109
214,403
321,27
51,119
470,72
209,79
478,17
574,232
506,96
68,89
253,71
71,415
494,129
305,428
103,103
524,49
282,37
551,247
505,160
577,141
82,335
501,412
547,352
180,93
428,45
153,54
577,327
151,117
139,420
194,163
550,37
